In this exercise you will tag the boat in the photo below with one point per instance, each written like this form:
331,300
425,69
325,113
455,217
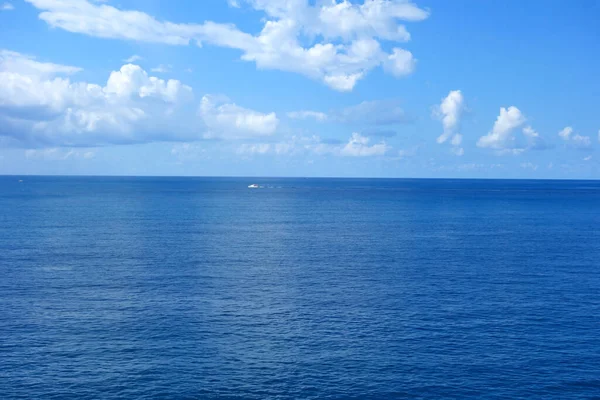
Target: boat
253,186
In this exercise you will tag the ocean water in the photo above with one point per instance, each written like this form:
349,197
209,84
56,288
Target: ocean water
200,288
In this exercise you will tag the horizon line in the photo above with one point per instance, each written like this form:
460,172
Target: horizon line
293,177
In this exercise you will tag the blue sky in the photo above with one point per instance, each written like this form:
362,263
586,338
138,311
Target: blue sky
373,88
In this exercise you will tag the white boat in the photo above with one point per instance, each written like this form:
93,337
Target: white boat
253,186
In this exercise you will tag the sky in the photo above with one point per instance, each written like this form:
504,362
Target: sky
367,88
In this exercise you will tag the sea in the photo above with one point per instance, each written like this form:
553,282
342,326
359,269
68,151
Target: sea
202,288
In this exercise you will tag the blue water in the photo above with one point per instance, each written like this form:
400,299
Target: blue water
306,288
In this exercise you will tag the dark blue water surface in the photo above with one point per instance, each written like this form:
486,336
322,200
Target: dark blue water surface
305,288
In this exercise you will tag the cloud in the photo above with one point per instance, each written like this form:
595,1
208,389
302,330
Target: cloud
530,166
251,148
58,154
587,158
7,7
379,133
576,140
409,152
133,58
375,112
378,112
565,134
13,62
337,43
400,63
534,140
501,136
183,152
162,68
225,119
316,115
41,107
581,142
358,146
450,112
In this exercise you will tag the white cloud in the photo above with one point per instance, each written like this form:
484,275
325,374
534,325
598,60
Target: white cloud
132,80
450,112
13,62
40,106
458,151
162,68
228,120
407,153
251,148
358,146
183,152
588,158
400,63
581,142
530,166
133,58
576,140
565,134
7,7
375,112
456,140
58,154
534,140
316,115
501,137
334,42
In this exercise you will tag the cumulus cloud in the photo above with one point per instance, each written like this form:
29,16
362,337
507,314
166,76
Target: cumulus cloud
225,119
41,106
501,137
334,42
576,140
358,146
400,63
565,133
581,142
534,140
450,112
